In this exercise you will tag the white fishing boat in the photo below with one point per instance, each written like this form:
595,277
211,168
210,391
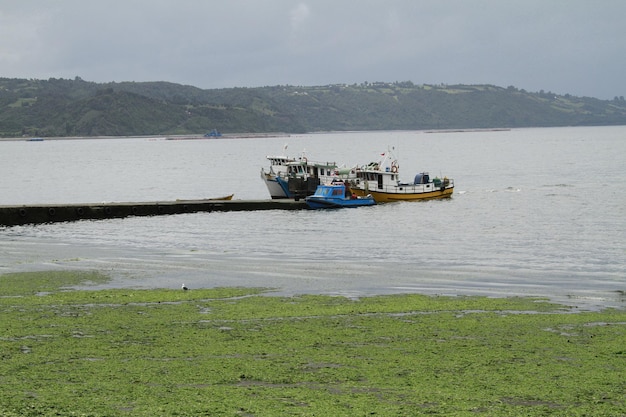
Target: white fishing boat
381,179
277,168
298,177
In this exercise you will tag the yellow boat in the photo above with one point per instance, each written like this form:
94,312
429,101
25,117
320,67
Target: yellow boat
226,197
381,179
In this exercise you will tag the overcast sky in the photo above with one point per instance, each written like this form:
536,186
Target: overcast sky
564,46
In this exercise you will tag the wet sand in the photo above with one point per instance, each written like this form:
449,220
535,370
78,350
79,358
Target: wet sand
136,269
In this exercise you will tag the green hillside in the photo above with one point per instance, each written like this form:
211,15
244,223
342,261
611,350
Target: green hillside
58,107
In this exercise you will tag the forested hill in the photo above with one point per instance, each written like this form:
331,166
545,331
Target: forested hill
60,107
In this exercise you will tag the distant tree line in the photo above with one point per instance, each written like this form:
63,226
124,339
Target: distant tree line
59,107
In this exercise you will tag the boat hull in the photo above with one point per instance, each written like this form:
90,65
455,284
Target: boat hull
404,194
322,203
276,189
226,197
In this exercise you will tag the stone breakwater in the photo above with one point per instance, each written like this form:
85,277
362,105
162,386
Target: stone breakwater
50,213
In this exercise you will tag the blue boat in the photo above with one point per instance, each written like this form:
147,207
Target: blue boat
336,195
213,134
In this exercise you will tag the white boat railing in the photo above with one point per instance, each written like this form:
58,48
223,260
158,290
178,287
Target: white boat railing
404,188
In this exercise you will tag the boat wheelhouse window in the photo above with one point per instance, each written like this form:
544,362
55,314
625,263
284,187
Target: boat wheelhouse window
422,178
295,169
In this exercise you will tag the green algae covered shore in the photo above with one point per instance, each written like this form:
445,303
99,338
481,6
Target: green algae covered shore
239,352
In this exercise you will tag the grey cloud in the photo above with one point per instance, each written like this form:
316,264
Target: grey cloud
574,46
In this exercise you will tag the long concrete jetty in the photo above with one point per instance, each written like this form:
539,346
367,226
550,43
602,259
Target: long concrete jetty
50,213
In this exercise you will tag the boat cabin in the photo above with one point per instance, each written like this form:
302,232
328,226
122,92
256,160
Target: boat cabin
335,190
278,163
380,178
304,169
279,160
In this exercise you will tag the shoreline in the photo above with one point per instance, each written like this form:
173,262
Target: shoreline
157,268
151,137
169,267
159,276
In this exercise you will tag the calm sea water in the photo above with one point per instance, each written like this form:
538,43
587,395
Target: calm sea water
538,212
